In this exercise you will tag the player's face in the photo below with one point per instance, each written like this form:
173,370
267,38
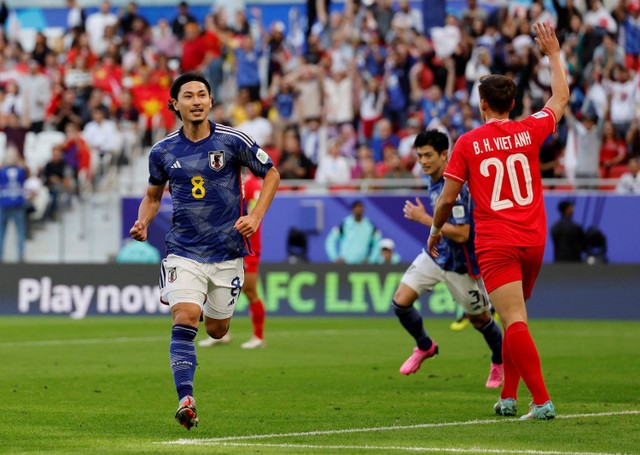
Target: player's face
194,102
431,162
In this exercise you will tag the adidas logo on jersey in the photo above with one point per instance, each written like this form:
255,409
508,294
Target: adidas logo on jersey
176,165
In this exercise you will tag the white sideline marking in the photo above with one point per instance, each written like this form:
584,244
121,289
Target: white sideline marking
389,428
15,344
411,449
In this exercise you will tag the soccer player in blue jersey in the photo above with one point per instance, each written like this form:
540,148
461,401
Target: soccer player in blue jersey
456,266
203,271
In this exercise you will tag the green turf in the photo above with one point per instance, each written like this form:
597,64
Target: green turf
103,385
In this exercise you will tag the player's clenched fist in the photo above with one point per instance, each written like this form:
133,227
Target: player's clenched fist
138,231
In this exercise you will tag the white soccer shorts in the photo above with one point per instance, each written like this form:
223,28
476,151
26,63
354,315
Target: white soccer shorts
214,286
423,274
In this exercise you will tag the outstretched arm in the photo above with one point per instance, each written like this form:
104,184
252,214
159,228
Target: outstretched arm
549,45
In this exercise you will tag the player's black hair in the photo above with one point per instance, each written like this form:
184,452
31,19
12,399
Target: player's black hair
498,91
439,141
191,76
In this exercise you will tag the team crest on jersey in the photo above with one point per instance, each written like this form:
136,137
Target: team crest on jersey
172,274
216,160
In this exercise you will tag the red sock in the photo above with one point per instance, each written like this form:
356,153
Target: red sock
511,372
525,356
256,309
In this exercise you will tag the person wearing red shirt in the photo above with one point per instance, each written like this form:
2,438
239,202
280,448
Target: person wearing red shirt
252,187
500,162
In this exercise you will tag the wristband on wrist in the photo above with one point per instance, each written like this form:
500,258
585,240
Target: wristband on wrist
434,231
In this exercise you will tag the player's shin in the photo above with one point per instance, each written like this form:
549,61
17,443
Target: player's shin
182,350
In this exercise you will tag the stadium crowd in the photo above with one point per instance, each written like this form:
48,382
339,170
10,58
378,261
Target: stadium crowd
341,100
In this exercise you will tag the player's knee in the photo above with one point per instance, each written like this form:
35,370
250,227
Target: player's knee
217,332
479,320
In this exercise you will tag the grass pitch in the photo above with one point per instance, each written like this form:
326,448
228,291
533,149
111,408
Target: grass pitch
321,386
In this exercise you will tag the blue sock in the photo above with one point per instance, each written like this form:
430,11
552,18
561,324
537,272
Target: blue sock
412,322
493,336
183,358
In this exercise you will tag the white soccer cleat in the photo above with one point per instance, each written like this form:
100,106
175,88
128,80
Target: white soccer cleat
207,342
253,343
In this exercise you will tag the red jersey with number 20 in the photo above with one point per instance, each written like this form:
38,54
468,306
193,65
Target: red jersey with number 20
500,161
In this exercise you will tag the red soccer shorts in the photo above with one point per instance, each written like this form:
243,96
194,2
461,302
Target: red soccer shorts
503,265
251,264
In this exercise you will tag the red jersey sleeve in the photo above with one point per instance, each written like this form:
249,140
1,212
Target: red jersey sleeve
457,168
540,125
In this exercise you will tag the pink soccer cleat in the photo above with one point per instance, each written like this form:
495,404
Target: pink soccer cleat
496,376
412,364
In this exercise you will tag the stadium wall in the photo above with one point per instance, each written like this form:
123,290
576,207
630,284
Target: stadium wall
79,291
617,216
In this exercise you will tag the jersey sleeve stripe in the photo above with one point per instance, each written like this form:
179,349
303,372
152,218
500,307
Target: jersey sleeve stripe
235,132
454,177
553,115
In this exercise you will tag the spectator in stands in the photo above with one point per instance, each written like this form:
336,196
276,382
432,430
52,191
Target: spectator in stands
388,254
13,175
355,240
16,129
164,41
127,118
103,138
383,136
255,125
372,99
133,252
128,16
78,78
97,23
293,162
215,41
568,237
181,20
66,111
600,18
629,182
247,66
36,89
631,35
338,96
623,91
76,16
586,141
314,137
40,49
613,151
307,83
13,101
395,168
193,48
58,178
78,156
333,169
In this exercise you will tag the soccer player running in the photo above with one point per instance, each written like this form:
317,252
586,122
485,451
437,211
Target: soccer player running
203,271
456,266
252,187
499,160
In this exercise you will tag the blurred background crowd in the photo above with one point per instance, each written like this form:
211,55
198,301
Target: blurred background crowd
335,91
